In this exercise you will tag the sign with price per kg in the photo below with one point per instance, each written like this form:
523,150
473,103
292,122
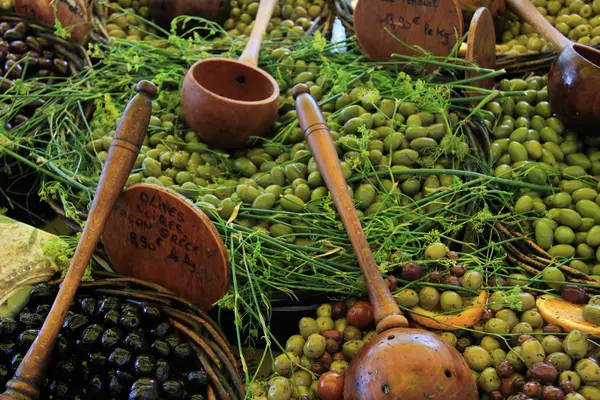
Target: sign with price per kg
433,25
159,236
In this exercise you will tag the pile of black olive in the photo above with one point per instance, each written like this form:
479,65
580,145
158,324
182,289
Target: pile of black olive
24,54
107,349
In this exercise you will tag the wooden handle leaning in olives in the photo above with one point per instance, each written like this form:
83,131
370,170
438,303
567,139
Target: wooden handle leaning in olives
386,311
121,157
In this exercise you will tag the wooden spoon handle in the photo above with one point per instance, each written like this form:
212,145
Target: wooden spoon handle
252,50
121,157
527,12
386,311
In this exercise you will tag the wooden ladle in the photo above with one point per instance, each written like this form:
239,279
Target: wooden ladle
574,78
121,157
400,363
227,101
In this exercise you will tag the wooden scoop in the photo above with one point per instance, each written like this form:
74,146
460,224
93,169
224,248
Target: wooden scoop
227,101
432,25
481,46
401,363
121,157
574,78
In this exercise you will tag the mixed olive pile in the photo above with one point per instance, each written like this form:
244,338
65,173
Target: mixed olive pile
576,19
107,349
129,26
531,143
26,54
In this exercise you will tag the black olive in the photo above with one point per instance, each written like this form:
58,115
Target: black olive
197,396
110,303
18,47
153,315
66,368
125,376
91,335
42,41
144,393
62,345
161,329
111,338
27,337
120,357
31,320
173,389
42,291
74,323
111,318
5,84
61,66
43,309
16,361
33,43
182,352
144,365
144,382
19,119
59,389
129,307
161,348
7,350
13,69
115,385
173,339
198,379
136,341
8,327
95,384
88,306
13,34
130,321
163,370
98,359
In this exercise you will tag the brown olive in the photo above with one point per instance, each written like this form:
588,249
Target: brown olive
5,84
45,63
532,389
326,359
435,277
42,41
505,369
61,66
12,69
13,34
542,372
18,46
33,44
338,310
19,119
360,314
458,270
553,393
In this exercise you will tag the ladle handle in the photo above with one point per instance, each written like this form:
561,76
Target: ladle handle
122,154
386,311
252,50
527,12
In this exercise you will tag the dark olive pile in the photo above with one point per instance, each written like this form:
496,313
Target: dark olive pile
107,349
26,55
579,20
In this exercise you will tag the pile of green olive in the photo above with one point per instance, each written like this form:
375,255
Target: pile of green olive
531,143
576,19
290,17
6,5
316,359
369,133
129,26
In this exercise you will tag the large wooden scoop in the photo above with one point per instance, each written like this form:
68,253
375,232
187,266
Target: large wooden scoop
227,101
121,157
401,363
574,79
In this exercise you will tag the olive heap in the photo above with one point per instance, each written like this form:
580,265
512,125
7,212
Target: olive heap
576,19
107,349
24,54
531,143
388,134
6,5
129,26
290,17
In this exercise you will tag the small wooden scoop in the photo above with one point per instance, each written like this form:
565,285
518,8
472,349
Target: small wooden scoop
401,363
227,101
121,157
574,78
432,25
481,46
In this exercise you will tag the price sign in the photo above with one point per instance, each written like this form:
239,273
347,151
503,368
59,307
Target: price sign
433,25
74,15
158,235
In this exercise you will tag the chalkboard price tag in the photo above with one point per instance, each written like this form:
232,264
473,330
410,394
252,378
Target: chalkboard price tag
159,236
74,15
432,25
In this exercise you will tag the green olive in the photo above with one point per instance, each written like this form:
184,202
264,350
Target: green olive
280,388
477,358
314,346
532,352
407,298
575,345
533,317
570,376
488,380
339,366
515,358
560,360
352,347
588,371
551,344
307,327
489,343
450,301
449,338
284,363
591,313
295,344
590,392
429,298
435,251
509,316
497,325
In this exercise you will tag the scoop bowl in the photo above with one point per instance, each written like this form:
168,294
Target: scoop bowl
409,364
574,87
227,101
